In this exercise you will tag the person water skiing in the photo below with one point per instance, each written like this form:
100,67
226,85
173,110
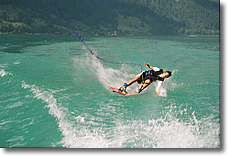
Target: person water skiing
147,77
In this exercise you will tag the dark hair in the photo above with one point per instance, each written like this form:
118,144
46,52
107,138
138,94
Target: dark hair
170,73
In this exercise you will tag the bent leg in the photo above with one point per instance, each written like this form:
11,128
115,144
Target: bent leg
147,83
133,80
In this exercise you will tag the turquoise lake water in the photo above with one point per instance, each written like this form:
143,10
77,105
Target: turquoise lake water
54,93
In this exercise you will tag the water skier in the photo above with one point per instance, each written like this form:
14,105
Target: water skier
146,78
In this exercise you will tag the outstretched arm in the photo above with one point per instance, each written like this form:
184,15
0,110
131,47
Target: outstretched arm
148,66
153,68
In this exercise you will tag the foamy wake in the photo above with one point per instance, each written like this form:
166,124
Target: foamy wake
4,73
174,133
72,136
107,76
166,132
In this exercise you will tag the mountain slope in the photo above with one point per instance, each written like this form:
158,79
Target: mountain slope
124,17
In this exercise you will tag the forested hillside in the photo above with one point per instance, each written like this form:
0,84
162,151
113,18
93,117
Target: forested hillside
111,17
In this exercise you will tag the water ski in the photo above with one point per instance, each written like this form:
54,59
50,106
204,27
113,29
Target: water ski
117,91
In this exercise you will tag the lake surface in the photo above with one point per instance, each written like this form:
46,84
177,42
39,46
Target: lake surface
54,93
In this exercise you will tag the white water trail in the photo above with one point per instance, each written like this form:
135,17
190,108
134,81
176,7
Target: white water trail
106,75
165,132
74,136
4,73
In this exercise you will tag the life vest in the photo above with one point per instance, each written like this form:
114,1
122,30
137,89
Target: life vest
152,75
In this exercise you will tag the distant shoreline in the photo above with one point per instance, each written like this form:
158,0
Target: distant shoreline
43,34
